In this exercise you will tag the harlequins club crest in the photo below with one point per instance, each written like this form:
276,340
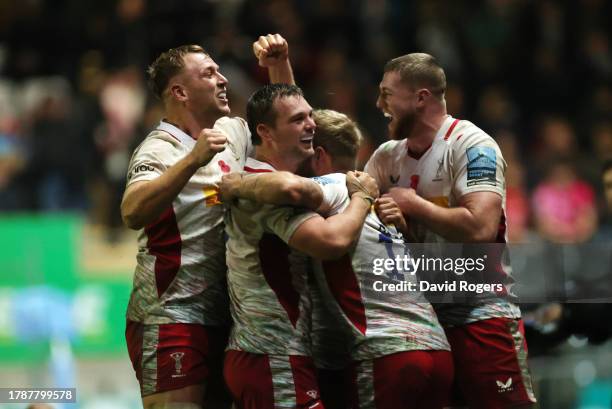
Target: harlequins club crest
177,356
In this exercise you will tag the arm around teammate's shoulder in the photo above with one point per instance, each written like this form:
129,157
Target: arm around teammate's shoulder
277,188
331,238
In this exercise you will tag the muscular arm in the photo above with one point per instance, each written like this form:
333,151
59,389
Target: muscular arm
327,239
278,188
475,220
143,202
281,73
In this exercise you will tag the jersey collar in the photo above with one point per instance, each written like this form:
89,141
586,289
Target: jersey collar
176,133
255,166
447,128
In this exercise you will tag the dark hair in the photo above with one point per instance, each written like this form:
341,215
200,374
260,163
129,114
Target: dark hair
260,106
167,65
419,70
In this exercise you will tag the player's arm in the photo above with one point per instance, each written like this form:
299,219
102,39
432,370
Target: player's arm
143,202
272,51
277,188
476,219
333,237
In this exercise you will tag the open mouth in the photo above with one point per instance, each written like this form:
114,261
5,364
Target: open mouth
307,139
222,96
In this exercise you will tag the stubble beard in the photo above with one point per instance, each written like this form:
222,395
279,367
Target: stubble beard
404,127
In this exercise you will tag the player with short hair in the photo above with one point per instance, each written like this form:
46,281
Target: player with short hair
400,355
268,362
447,176
178,314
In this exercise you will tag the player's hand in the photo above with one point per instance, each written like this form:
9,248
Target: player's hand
271,50
229,187
210,142
404,197
361,182
390,213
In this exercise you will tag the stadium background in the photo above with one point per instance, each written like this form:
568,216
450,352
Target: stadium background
536,75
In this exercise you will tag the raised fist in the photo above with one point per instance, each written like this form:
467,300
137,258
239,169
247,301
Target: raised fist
271,50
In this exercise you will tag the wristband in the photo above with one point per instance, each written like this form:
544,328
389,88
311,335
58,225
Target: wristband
369,199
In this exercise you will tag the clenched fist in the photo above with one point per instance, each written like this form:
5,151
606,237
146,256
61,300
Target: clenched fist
361,182
271,50
390,213
209,143
229,187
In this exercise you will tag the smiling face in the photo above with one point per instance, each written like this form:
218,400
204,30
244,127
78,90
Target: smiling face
293,130
398,103
201,88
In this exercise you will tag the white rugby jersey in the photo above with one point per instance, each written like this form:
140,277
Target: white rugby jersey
462,159
267,281
381,322
180,274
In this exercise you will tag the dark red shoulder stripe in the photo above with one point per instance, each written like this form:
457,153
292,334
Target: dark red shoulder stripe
450,129
253,170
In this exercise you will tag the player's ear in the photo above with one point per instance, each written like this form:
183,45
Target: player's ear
318,153
178,92
263,131
422,95
322,159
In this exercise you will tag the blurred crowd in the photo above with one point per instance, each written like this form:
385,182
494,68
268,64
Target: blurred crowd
537,76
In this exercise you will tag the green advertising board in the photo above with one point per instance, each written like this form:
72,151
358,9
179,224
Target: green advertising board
45,293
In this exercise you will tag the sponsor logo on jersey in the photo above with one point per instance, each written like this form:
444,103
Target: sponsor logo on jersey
504,386
481,166
140,169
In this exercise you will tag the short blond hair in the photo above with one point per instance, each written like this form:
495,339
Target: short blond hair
167,65
419,70
338,134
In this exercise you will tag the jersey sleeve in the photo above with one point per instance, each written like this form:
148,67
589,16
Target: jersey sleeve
335,193
478,166
378,166
284,221
147,163
239,136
